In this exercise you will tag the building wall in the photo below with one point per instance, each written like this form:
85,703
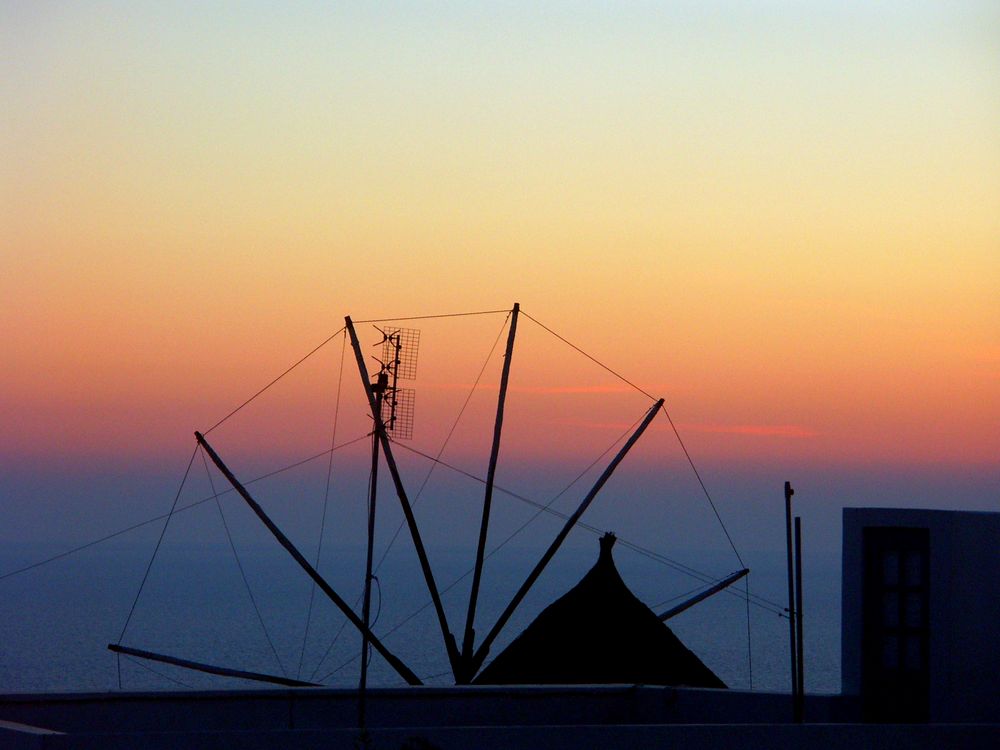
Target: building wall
964,607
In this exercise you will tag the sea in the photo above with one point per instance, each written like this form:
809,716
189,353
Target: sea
256,611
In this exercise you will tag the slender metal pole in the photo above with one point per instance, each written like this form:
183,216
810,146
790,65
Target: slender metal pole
366,605
687,604
800,672
209,668
484,647
411,522
791,591
470,619
325,587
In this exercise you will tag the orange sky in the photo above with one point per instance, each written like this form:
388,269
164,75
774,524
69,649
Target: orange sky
782,219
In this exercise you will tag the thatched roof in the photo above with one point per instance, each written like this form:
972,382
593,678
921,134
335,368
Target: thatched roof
598,633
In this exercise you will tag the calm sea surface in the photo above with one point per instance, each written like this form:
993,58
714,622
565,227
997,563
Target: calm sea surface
56,620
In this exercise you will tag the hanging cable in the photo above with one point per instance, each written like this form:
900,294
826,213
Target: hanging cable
326,502
704,489
432,317
258,393
669,419
158,673
593,359
181,509
158,542
239,565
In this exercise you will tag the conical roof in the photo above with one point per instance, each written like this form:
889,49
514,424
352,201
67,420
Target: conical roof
598,633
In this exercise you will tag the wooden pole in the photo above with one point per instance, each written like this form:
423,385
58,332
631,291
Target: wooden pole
725,583
800,668
366,605
484,647
325,587
209,668
470,633
791,593
411,522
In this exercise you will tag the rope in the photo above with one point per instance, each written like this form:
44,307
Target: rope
245,403
433,317
435,676
669,419
181,509
239,565
326,502
702,483
156,672
158,542
593,359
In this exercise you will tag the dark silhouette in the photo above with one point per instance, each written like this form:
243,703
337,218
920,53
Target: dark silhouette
598,633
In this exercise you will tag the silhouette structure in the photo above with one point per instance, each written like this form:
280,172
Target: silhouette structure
598,633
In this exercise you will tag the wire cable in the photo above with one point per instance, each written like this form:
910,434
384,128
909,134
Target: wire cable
326,502
669,419
593,359
433,317
158,673
704,489
181,509
258,393
158,542
239,565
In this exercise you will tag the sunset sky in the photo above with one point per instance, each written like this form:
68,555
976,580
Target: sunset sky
783,217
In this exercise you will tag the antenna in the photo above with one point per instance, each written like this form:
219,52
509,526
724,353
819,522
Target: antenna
398,362
392,410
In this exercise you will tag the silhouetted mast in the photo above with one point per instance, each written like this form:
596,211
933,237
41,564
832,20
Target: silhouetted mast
404,500
394,416
470,634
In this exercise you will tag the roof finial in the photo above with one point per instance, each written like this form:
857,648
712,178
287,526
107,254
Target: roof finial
607,542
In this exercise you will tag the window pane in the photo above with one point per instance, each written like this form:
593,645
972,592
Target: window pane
890,652
914,610
914,564
890,568
912,657
890,609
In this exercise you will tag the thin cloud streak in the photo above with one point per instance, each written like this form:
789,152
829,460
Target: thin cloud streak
542,390
753,430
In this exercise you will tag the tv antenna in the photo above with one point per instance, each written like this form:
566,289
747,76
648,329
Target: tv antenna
392,410
398,362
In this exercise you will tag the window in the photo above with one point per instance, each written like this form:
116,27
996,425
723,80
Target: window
895,624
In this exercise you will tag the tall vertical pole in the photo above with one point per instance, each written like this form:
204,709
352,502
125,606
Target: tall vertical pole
367,602
470,634
411,522
791,591
800,673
